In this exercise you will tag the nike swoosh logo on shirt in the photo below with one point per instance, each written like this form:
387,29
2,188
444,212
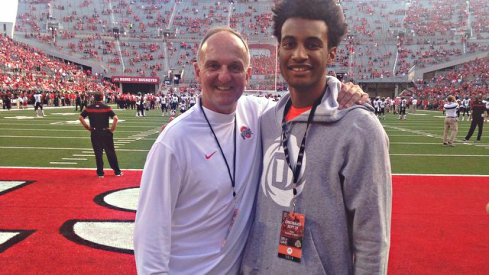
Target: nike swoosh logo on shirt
209,156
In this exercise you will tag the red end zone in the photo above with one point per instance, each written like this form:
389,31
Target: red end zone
440,225
71,222
47,206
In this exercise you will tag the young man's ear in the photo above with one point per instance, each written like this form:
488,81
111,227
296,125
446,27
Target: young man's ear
332,56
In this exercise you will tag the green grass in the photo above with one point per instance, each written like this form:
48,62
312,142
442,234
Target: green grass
27,141
415,143
416,146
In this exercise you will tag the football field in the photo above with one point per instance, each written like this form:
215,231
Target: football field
416,146
59,141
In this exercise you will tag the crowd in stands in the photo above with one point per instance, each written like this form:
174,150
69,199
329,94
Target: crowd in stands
422,33
148,37
467,80
25,71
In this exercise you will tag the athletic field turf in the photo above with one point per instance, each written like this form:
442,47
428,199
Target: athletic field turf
58,140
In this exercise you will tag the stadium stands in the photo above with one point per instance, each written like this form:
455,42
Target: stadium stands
24,69
469,79
386,39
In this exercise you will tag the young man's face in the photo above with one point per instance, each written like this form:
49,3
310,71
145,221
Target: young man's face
223,71
304,54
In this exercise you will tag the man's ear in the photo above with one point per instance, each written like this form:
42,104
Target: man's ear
197,71
248,73
332,55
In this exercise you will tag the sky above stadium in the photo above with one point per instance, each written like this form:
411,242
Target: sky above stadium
8,11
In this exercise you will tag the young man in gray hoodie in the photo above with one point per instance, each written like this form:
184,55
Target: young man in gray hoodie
324,200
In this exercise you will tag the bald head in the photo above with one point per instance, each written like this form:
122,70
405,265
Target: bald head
223,35
222,69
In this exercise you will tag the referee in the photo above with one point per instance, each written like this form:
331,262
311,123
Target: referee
101,135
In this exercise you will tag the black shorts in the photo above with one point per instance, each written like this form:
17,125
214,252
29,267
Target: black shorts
402,110
37,105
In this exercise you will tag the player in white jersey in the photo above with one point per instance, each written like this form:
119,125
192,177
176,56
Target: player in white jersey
486,116
192,100
402,108
38,105
376,106
183,107
174,103
164,104
381,105
140,104
388,104
465,108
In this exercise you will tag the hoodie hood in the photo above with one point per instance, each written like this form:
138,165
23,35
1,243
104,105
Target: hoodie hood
327,111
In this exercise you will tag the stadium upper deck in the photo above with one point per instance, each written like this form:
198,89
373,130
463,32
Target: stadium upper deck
149,37
23,68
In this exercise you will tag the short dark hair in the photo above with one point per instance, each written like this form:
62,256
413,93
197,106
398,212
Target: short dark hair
98,96
328,11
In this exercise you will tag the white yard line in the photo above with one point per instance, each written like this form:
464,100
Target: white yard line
441,175
57,137
49,137
72,125
62,168
58,148
403,135
417,143
92,169
439,155
62,130
73,158
426,134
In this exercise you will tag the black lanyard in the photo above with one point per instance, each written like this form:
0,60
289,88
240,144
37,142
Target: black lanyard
233,176
297,169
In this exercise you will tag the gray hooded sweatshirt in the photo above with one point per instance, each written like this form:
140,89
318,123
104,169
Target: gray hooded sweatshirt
344,192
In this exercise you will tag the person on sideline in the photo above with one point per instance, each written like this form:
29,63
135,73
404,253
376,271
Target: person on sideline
38,104
477,116
140,104
465,108
101,135
414,105
402,108
451,121
487,109
200,177
324,200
